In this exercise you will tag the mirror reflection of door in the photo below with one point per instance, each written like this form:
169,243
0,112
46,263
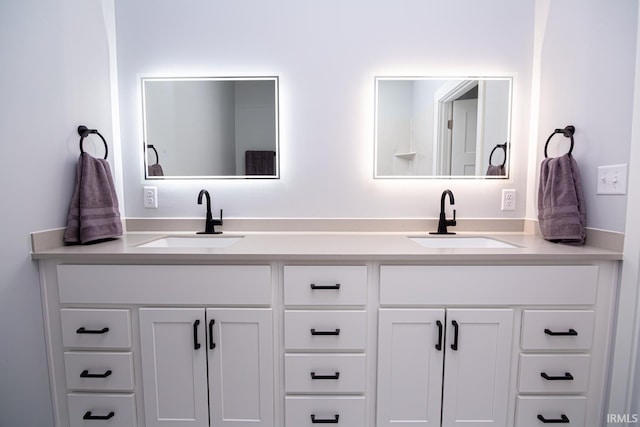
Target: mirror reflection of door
463,137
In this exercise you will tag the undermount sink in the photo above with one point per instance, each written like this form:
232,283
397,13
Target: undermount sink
193,242
461,242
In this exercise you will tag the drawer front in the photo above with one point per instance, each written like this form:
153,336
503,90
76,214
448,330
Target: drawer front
412,285
557,329
533,411
113,410
325,330
309,411
93,328
99,371
325,373
325,285
546,373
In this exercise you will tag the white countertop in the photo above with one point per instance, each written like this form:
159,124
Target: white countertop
324,246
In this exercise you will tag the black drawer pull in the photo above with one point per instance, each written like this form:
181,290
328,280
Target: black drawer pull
569,333
336,376
563,419
86,374
335,287
196,344
567,376
336,332
454,346
439,345
333,420
89,416
83,330
212,344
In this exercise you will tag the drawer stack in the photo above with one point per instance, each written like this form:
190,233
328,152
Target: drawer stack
554,367
98,366
325,328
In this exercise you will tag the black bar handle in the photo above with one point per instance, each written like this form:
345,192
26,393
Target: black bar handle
562,420
569,333
336,332
212,345
196,344
89,416
84,330
333,420
454,346
334,287
439,345
336,376
86,374
567,377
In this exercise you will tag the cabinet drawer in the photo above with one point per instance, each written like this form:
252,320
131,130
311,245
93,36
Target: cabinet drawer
325,285
563,373
557,329
94,328
344,411
99,371
113,410
325,373
531,410
325,330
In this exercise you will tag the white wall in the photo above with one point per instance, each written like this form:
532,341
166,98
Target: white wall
54,76
326,56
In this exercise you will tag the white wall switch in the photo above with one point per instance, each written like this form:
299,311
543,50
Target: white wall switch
151,197
612,179
508,200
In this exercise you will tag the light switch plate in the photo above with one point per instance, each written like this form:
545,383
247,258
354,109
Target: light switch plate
612,179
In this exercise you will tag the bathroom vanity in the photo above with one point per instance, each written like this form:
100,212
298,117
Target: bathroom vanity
352,329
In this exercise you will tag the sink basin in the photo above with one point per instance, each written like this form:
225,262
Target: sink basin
461,242
193,242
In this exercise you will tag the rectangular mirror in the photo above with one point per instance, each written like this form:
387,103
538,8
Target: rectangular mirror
442,127
212,127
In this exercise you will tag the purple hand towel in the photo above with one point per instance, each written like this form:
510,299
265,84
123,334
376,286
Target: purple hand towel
498,170
260,162
93,211
561,207
155,170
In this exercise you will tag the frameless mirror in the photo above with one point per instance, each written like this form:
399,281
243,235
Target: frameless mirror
213,127
442,127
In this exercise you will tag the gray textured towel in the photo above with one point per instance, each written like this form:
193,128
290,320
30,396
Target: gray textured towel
155,170
561,207
260,162
93,211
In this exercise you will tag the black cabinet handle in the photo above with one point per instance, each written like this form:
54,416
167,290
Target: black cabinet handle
334,287
325,377
567,376
333,420
570,333
562,420
439,345
212,345
86,374
89,416
454,346
83,330
196,344
336,332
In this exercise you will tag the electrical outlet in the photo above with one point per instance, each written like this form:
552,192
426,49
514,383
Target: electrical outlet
612,179
508,200
151,197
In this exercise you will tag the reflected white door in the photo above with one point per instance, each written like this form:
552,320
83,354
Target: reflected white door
463,137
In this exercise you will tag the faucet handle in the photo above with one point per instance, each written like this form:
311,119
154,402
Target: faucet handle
218,221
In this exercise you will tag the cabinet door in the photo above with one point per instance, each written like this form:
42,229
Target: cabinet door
240,367
410,367
174,367
477,367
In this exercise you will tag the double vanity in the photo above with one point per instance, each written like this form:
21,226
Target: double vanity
354,329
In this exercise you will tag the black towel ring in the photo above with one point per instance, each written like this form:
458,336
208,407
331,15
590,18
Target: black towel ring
504,148
155,151
84,131
567,132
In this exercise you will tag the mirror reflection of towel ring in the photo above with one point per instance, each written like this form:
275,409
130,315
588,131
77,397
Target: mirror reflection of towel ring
504,148
155,151
567,132
83,131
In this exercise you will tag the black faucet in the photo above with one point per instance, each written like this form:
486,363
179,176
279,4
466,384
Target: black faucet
443,222
209,227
